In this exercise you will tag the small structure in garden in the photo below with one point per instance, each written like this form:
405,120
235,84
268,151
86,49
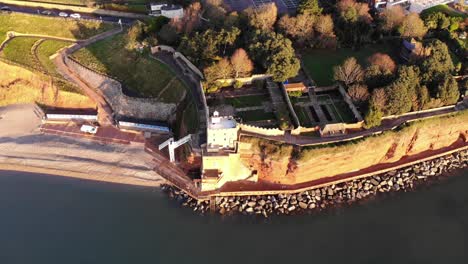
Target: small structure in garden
332,130
296,87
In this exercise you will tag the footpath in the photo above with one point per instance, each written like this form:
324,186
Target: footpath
75,9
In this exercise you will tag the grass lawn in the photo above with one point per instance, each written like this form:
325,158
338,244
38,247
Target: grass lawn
19,50
443,9
319,63
57,27
246,101
142,75
190,118
47,49
303,117
255,115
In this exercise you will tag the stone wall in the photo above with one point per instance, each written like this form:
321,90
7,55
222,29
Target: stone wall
261,130
142,108
178,55
347,99
244,80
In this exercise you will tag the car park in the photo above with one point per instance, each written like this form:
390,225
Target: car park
63,14
75,16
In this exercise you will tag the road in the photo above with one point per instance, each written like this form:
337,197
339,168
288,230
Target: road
55,13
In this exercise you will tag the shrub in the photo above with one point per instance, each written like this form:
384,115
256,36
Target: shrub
238,84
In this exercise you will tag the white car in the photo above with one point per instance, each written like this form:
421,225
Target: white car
89,129
75,16
63,14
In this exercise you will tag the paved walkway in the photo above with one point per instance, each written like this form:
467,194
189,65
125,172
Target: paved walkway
387,124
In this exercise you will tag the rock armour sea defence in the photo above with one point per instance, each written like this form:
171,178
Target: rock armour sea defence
405,179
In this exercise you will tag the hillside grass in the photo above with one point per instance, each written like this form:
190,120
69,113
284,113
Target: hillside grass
443,9
47,49
319,63
58,27
18,50
18,85
142,75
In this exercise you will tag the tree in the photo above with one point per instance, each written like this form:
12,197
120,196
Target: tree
352,12
435,67
201,48
275,53
309,7
299,28
373,117
374,77
379,99
190,21
135,34
228,37
220,70
349,72
392,17
412,27
241,63
398,99
437,20
448,91
263,17
168,35
324,25
383,62
358,93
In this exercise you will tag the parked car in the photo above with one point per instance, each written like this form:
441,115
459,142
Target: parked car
47,12
63,14
5,9
75,16
89,129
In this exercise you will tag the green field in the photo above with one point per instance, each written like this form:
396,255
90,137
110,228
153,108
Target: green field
246,101
255,115
18,50
142,75
57,27
319,63
443,9
137,6
47,49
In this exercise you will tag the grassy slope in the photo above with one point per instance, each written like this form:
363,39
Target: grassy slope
144,76
444,9
319,63
19,50
50,26
47,49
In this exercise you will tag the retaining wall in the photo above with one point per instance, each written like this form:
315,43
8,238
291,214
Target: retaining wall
122,105
244,80
261,130
178,55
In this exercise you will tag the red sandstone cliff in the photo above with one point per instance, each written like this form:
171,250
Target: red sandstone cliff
304,165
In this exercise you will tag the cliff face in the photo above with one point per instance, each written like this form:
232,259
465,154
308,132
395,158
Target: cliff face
311,164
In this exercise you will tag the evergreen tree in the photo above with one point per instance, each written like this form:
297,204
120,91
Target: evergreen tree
309,7
448,91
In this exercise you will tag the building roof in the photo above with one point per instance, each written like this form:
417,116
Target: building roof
222,122
295,86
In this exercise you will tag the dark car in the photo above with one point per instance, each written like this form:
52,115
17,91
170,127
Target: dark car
5,9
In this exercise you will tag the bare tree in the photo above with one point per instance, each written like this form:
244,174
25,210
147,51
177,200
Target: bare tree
324,25
299,27
379,98
190,20
393,16
241,63
358,93
412,27
349,72
383,61
263,17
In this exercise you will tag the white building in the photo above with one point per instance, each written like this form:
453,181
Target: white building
222,132
164,9
415,6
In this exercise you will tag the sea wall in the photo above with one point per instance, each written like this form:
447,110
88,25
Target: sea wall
319,162
344,193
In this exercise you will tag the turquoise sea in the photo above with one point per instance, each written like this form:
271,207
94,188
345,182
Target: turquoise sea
55,220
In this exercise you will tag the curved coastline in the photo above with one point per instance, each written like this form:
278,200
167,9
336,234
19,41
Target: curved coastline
110,178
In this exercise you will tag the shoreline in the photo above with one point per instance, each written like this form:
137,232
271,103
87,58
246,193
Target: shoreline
319,198
111,178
